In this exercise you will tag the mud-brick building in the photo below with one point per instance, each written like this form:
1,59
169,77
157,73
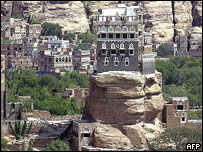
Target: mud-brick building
175,114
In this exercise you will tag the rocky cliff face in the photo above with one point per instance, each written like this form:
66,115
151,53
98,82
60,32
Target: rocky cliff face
125,106
165,18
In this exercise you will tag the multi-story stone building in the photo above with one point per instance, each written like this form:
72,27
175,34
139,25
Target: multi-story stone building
196,48
121,39
33,32
175,114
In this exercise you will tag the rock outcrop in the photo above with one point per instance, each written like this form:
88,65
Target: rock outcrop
164,18
124,105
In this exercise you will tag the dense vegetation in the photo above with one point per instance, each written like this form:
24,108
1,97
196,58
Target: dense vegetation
35,22
45,90
88,38
195,115
58,145
163,51
182,76
69,36
4,143
175,140
50,29
80,47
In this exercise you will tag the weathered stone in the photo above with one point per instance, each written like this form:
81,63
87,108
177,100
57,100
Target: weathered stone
107,136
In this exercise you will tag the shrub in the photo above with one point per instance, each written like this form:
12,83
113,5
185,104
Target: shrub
35,22
50,29
163,51
4,143
70,37
58,145
175,139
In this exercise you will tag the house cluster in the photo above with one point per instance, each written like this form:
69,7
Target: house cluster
182,46
24,46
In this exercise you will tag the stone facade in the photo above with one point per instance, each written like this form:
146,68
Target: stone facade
121,38
175,113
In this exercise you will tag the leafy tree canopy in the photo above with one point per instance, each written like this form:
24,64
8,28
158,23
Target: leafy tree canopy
50,29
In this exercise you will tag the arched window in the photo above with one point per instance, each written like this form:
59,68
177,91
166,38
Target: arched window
113,46
122,46
116,62
21,61
125,29
127,61
104,46
106,61
118,29
132,29
110,29
103,29
66,59
131,46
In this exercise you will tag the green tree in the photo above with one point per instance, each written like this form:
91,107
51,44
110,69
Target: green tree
82,47
88,38
4,144
70,37
163,51
178,137
195,115
50,29
58,145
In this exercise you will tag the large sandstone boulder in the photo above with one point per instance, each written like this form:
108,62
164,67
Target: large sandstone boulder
123,104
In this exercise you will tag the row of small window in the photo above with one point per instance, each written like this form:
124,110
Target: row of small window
37,31
119,18
61,59
118,35
114,52
121,46
13,62
116,61
118,29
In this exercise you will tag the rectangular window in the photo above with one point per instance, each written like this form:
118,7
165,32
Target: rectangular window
131,52
8,47
132,36
104,52
118,36
179,107
111,36
125,36
56,59
116,63
113,52
103,35
122,52
183,120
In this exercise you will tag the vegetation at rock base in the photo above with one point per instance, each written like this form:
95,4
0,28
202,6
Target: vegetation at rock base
69,36
163,51
20,132
182,76
30,148
4,143
50,29
58,145
88,38
195,115
45,90
80,46
35,22
175,140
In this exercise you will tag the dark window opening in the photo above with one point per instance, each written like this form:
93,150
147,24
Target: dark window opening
131,52
8,47
98,35
127,63
132,36
111,36
113,52
116,63
118,36
139,33
179,107
125,36
86,134
139,17
103,35
122,52
183,118
104,52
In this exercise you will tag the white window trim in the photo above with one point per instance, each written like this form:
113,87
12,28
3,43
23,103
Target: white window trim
106,61
102,52
113,45
116,60
130,53
124,53
113,54
183,121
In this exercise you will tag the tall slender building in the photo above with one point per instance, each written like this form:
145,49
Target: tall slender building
121,39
